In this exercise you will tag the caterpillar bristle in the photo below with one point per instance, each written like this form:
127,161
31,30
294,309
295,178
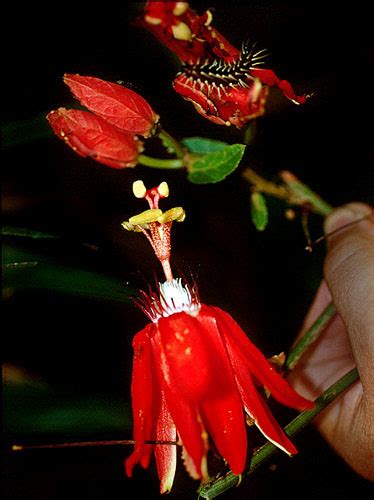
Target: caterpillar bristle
220,72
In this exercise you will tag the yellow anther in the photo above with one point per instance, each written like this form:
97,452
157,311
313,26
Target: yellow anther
180,8
137,229
181,32
209,19
153,20
151,215
163,189
139,189
126,225
174,214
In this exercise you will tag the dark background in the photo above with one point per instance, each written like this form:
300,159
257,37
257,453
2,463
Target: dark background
81,347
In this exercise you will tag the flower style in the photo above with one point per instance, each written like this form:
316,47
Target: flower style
195,372
224,84
108,133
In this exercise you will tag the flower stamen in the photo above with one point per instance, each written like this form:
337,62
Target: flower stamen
155,224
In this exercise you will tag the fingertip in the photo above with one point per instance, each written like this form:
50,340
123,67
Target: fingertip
345,215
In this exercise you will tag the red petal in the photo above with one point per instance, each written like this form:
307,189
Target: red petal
90,135
224,421
196,360
119,105
222,409
166,455
189,90
184,413
268,77
223,105
201,40
257,364
144,394
256,407
189,464
197,363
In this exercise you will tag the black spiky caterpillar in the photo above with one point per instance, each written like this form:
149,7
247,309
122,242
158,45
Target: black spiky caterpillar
220,72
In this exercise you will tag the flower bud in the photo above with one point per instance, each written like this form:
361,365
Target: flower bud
90,135
118,105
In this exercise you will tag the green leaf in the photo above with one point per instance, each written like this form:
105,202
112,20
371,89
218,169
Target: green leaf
259,211
27,233
29,409
214,167
200,145
22,132
27,270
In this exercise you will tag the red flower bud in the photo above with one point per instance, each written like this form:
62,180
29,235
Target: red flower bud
90,135
118,105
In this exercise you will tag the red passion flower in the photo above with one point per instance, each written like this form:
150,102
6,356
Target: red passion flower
195,372
225,84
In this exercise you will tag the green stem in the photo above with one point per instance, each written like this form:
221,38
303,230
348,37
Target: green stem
309,337
263,454
171,143
149,161
305,193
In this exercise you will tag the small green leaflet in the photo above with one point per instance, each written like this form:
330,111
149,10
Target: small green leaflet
200,145
215,166
259,211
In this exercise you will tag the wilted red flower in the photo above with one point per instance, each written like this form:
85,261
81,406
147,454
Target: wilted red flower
223,105
90,135
224,83
118,105
195,371
186,33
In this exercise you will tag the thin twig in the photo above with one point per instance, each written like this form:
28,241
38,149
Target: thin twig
309,337
86,444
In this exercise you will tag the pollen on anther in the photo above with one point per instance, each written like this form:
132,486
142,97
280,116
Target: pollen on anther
139,189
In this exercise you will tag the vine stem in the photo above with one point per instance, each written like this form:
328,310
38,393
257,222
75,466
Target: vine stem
170,142
263,454
149,161
304,192
293,191
309,337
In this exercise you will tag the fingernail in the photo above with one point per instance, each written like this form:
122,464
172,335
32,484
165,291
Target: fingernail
346,215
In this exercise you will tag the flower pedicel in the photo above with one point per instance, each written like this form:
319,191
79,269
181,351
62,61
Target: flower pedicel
194,370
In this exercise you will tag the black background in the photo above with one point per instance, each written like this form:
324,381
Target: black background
265,280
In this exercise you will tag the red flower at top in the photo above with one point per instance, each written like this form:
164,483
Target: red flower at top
195,372
225,84
184,32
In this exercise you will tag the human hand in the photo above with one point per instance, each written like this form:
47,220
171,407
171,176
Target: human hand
348,340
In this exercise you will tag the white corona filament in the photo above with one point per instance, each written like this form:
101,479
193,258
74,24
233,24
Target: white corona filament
174,298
